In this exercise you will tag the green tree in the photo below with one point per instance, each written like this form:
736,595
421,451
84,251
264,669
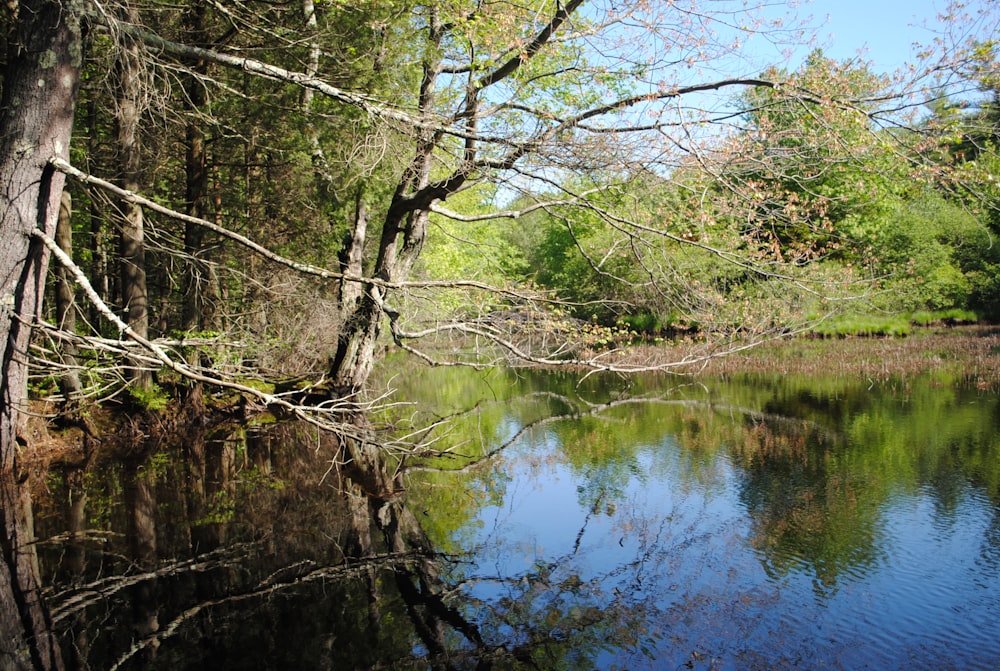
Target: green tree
821,174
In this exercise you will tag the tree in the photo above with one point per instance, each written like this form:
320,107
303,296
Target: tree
503,93
819,167
355,122
480,94
962,131
39,95
129,110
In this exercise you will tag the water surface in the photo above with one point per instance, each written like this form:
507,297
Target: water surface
772,523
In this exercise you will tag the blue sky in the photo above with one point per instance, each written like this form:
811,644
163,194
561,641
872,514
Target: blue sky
885,29
882,32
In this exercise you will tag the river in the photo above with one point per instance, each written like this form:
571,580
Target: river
550,522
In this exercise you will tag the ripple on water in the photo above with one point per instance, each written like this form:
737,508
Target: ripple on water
932,605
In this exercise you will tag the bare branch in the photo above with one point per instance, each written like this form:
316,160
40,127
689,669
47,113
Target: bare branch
367,104
324,416
511,214
298,266
609,361
518,59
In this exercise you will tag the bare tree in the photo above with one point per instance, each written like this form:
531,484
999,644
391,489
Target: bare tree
128,116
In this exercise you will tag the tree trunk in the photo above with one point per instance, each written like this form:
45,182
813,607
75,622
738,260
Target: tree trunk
131,241
199,294
352,255
403,233
100,275
35,125
399,248
69,382
36,119
196,280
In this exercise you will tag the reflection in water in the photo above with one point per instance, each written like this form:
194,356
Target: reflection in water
805,509
26,637
140,507
767,524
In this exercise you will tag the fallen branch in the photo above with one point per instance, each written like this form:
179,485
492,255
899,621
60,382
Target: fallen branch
305,268
324,417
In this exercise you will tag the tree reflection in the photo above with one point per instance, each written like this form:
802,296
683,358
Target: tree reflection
27,638
318,561
806,511
138,479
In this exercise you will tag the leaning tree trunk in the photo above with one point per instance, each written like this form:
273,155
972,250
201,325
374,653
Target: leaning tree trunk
403,232
358,344
36,117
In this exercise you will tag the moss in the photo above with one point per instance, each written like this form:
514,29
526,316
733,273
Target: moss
259,385
47,59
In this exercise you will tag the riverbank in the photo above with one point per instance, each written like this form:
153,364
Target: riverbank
967,355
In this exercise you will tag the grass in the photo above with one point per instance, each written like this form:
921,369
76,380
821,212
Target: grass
863,325
952,317
893,326
968,353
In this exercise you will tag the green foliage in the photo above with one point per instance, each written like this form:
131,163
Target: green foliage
645,322
608,274
478,251
812,169
915,252
153,398
220,509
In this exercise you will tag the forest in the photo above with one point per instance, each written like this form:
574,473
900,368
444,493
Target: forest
263,197
249,203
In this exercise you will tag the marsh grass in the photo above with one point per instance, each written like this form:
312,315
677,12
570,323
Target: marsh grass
964,354
951,317
864,325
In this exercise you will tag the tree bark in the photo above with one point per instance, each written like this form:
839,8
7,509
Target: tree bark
36,117
99,272
131,241
352,255
199,294
69,382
